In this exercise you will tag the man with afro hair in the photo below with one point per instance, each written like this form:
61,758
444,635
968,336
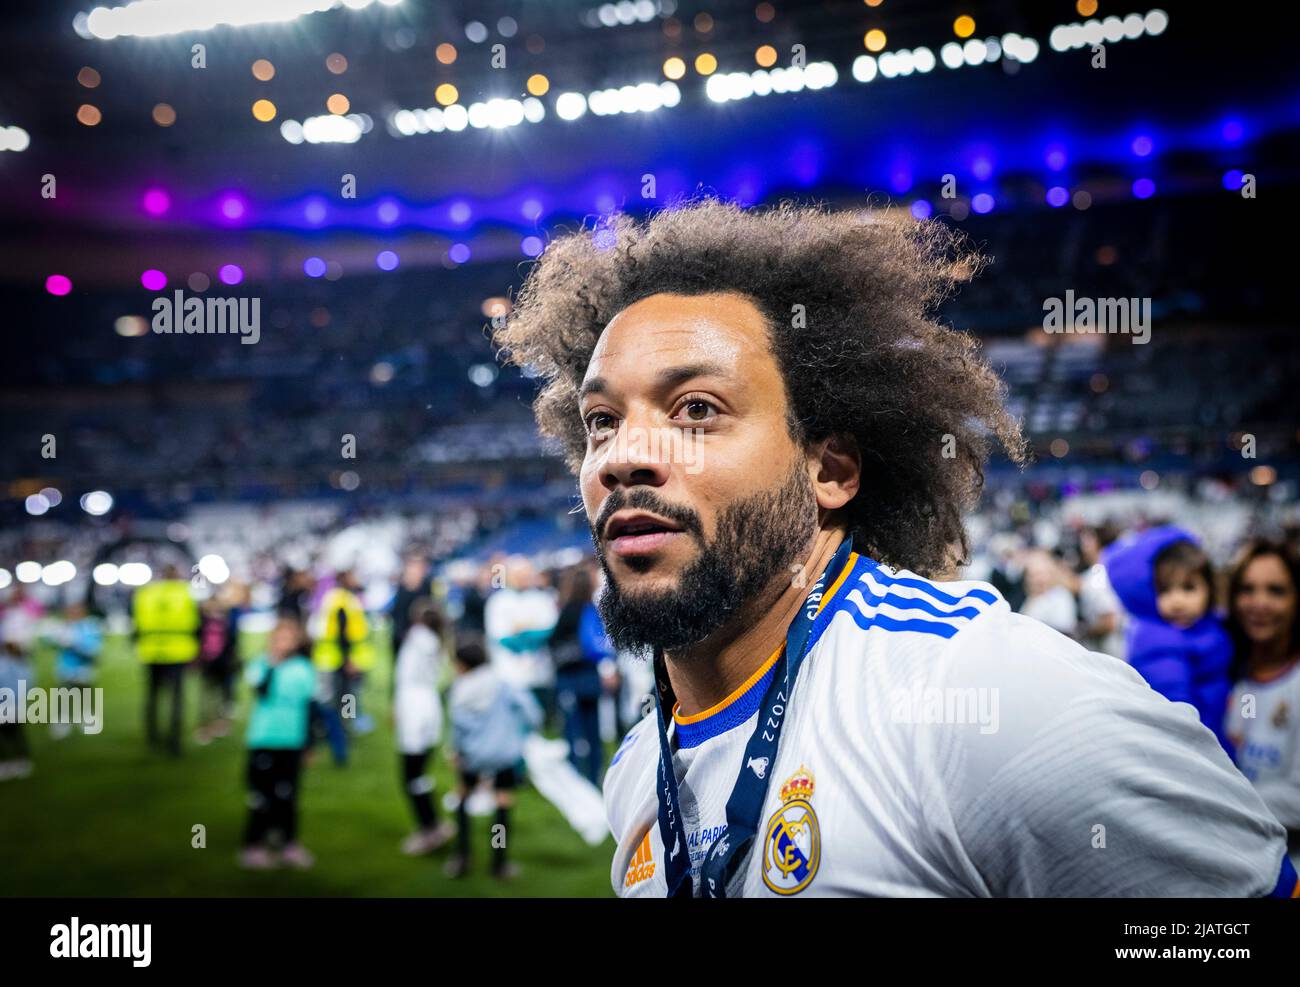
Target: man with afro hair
775,444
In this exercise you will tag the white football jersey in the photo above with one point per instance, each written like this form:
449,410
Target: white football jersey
1264,723
938,744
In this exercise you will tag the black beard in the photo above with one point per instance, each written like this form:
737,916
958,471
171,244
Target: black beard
758,539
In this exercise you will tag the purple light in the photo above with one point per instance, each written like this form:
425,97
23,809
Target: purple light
460,213
314,212
388,213
1232,131
921,209
156,202
1057,196
232,207
57,284
1056,158
231,274
387,260
531,209
313,267
1144,188
459,253
981,168
154,279
1142,145
900,181
1232,179
605,239
982,203
531,246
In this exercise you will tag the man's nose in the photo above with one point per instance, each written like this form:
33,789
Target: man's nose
639,455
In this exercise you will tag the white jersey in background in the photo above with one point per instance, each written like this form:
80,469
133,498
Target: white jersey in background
417,707
938,744
1263,722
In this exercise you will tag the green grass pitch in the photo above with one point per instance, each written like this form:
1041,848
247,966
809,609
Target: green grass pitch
103,816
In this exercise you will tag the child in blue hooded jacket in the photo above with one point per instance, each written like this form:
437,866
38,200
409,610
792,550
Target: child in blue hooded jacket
1175,641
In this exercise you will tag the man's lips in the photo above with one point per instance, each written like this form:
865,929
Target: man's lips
644,544
639,533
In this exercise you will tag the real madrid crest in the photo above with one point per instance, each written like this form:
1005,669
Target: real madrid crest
792,848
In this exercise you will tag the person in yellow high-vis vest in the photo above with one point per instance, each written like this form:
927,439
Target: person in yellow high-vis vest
166,640
342,654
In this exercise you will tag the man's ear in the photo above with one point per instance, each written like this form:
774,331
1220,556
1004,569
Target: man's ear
835,465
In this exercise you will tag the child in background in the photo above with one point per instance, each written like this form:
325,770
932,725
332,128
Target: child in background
283,682
79,638
1175,641
417,715
17,635
490,720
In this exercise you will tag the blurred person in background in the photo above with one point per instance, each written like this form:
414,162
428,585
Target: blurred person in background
1175,640
283,681
1100,611
490,719
295,594
1263,717
1047,598
415,584
518,619
343,653
17,634
579,647
474,598
219,661
417,718
79,638
166,640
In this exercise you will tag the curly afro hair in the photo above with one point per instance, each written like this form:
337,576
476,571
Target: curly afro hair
861,358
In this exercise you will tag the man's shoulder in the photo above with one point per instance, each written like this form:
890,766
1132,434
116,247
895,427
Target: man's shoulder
884,603
899,624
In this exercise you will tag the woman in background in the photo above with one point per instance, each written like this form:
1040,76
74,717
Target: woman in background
1264,710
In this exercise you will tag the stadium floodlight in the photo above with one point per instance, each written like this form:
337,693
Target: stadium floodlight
28,572
58,573
14,139
97,502
570,106
134,574
5,578
105,574
157,18
214,569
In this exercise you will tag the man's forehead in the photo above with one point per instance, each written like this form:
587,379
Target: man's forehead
717,328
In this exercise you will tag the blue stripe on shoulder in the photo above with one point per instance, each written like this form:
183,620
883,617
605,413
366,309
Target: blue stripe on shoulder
928,588
912,603
893,624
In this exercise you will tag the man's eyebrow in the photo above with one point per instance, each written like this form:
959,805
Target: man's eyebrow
595,385
666,378
671,376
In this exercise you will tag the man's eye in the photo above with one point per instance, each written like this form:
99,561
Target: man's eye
697,409
599,421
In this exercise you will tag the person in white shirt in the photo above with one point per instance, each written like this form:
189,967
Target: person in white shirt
775,447
517,620
1101,615
1047,597
1263,717
417,719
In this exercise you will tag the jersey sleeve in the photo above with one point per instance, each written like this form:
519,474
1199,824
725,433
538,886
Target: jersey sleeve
1088,783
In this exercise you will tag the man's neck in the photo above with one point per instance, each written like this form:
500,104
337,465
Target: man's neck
709,672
